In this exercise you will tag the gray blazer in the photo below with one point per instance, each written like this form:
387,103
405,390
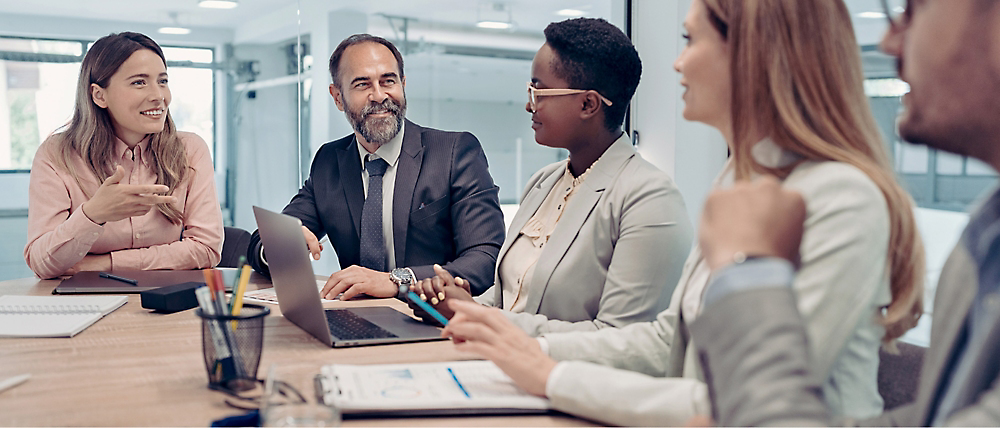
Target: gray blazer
648,373
739,347
615,255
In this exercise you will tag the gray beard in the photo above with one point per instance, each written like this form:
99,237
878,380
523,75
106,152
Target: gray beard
378,130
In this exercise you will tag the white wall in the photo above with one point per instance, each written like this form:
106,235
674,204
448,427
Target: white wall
689,152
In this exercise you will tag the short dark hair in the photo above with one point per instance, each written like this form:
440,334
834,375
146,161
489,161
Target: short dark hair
356,40
593,54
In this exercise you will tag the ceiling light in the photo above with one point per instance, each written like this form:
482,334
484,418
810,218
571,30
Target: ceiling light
496,25
495,16
871,15
570,12
176,28
218,4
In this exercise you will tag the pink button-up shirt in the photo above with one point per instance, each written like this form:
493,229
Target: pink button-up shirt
60,235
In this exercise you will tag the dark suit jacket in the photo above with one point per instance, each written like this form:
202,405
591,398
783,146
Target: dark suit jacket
445,207
754,352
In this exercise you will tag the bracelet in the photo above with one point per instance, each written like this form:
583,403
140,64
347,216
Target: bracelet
741,257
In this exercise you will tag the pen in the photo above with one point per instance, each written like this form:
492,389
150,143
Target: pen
13,381
425,306
220,292
118,278
238,277
452,372
237,301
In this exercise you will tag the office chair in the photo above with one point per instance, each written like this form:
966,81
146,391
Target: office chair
236,244
899,374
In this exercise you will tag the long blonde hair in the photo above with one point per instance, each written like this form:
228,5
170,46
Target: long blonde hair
797,77
90,133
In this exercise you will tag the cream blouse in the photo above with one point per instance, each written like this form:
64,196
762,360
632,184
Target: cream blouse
518,266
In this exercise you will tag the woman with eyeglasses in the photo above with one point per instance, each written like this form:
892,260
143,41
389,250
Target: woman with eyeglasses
119,188
599,239
782,81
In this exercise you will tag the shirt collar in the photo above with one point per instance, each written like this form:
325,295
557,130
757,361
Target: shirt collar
575,181
769,154
388,151
121,150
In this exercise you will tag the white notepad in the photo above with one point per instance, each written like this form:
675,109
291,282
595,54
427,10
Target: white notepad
53,316
268,296
454,387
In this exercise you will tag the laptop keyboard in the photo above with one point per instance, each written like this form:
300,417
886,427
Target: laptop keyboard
346,325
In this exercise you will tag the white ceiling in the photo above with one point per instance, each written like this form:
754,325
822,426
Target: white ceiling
531,15
528,15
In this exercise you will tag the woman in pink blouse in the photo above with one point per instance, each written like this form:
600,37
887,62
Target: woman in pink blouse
120,188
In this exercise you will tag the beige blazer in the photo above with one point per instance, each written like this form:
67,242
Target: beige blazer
616,253
648,373
750,392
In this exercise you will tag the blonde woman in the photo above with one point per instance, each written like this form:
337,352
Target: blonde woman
782,81
119,187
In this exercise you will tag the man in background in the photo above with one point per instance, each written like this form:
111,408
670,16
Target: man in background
394,198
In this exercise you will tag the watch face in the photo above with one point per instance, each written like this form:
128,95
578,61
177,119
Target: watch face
403,275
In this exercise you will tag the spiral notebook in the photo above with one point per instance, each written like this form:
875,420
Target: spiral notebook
53,316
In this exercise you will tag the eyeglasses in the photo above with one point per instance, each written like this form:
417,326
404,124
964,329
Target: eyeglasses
250,393
534,93
897,12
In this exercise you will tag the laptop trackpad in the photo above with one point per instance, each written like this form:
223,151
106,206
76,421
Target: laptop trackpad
397,322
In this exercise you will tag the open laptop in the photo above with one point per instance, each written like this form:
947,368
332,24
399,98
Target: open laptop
295,285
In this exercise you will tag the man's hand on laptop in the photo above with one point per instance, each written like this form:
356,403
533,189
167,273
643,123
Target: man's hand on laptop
356,280
315,247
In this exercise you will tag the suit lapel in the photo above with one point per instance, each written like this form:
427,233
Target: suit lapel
525,210
411,156
982,369
350,177
956,292
601,175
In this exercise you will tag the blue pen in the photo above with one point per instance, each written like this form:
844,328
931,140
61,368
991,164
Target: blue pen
459,383
426,307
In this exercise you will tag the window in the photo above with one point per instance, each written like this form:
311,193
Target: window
38,86
934,178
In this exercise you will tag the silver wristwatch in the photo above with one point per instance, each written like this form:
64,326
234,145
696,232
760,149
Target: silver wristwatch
402,277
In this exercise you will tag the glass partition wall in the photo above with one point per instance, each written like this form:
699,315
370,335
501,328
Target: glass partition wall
253,82
466,64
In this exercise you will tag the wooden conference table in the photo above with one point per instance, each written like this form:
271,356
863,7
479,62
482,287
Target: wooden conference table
138,368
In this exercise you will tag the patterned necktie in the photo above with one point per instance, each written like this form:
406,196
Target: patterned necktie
373,254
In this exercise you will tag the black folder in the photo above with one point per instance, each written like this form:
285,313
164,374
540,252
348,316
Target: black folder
92,283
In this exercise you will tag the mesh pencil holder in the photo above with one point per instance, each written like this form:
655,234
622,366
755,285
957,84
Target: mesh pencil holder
231,346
